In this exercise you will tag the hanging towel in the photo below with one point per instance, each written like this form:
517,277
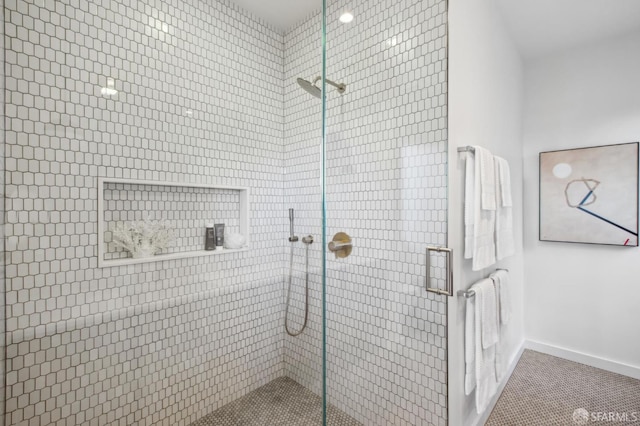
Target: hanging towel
485,357
469,205
484,221
505,245
469,346
503,175
501,279
487,175
488,312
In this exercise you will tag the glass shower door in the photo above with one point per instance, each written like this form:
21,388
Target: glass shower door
385,201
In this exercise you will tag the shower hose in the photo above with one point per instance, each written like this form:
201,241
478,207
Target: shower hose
306,293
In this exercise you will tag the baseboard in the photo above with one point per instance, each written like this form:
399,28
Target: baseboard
582,358
485,416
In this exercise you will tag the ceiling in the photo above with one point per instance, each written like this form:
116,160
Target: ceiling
541,27
283,14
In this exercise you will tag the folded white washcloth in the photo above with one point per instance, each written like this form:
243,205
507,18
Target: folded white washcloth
505,245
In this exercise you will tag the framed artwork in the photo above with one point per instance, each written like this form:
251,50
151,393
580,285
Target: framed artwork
590,195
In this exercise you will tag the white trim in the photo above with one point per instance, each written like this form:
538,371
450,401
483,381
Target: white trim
244,222
169,256
165,183
481,420
582,358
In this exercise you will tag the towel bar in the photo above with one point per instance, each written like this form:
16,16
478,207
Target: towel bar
466,149
467,294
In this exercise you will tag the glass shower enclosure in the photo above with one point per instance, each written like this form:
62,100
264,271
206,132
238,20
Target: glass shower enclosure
385,185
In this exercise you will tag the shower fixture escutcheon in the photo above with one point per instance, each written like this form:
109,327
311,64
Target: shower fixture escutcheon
341,245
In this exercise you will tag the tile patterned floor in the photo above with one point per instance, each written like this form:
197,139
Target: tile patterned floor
545,390
280,402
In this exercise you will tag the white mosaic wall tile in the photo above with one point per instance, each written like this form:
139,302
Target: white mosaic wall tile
386,187
186,210
199,101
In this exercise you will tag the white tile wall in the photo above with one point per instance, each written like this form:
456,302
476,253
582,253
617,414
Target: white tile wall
386,187
199,100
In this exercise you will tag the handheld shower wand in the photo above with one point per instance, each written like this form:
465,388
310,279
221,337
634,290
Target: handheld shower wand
308,240
292,237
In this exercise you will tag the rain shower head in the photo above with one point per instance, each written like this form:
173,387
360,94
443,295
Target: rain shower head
310,87
314,90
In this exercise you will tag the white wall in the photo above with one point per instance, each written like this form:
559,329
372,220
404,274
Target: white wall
485,106
582,298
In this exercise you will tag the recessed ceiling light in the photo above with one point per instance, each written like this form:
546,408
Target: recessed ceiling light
109,90
346,17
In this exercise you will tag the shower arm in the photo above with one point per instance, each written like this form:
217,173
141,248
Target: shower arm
341,87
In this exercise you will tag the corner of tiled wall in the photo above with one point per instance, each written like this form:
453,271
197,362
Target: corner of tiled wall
386,187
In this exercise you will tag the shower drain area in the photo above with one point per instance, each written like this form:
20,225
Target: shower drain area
282,401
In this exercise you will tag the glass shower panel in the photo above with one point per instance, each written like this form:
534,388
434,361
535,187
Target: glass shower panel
386,195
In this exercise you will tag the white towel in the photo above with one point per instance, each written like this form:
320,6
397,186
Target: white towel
469,204
485,358
503,176
501,279
469,346
484,221
505,245
487,305
487,175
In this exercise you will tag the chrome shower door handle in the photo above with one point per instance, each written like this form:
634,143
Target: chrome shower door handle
449,271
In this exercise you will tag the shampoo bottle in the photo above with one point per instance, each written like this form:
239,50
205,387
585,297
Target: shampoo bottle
219,227
210,237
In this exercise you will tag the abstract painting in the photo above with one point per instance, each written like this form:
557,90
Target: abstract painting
590,195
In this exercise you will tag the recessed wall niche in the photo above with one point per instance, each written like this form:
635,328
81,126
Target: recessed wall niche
186,207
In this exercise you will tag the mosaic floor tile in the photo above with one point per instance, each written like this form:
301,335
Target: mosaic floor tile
545,390
280,402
